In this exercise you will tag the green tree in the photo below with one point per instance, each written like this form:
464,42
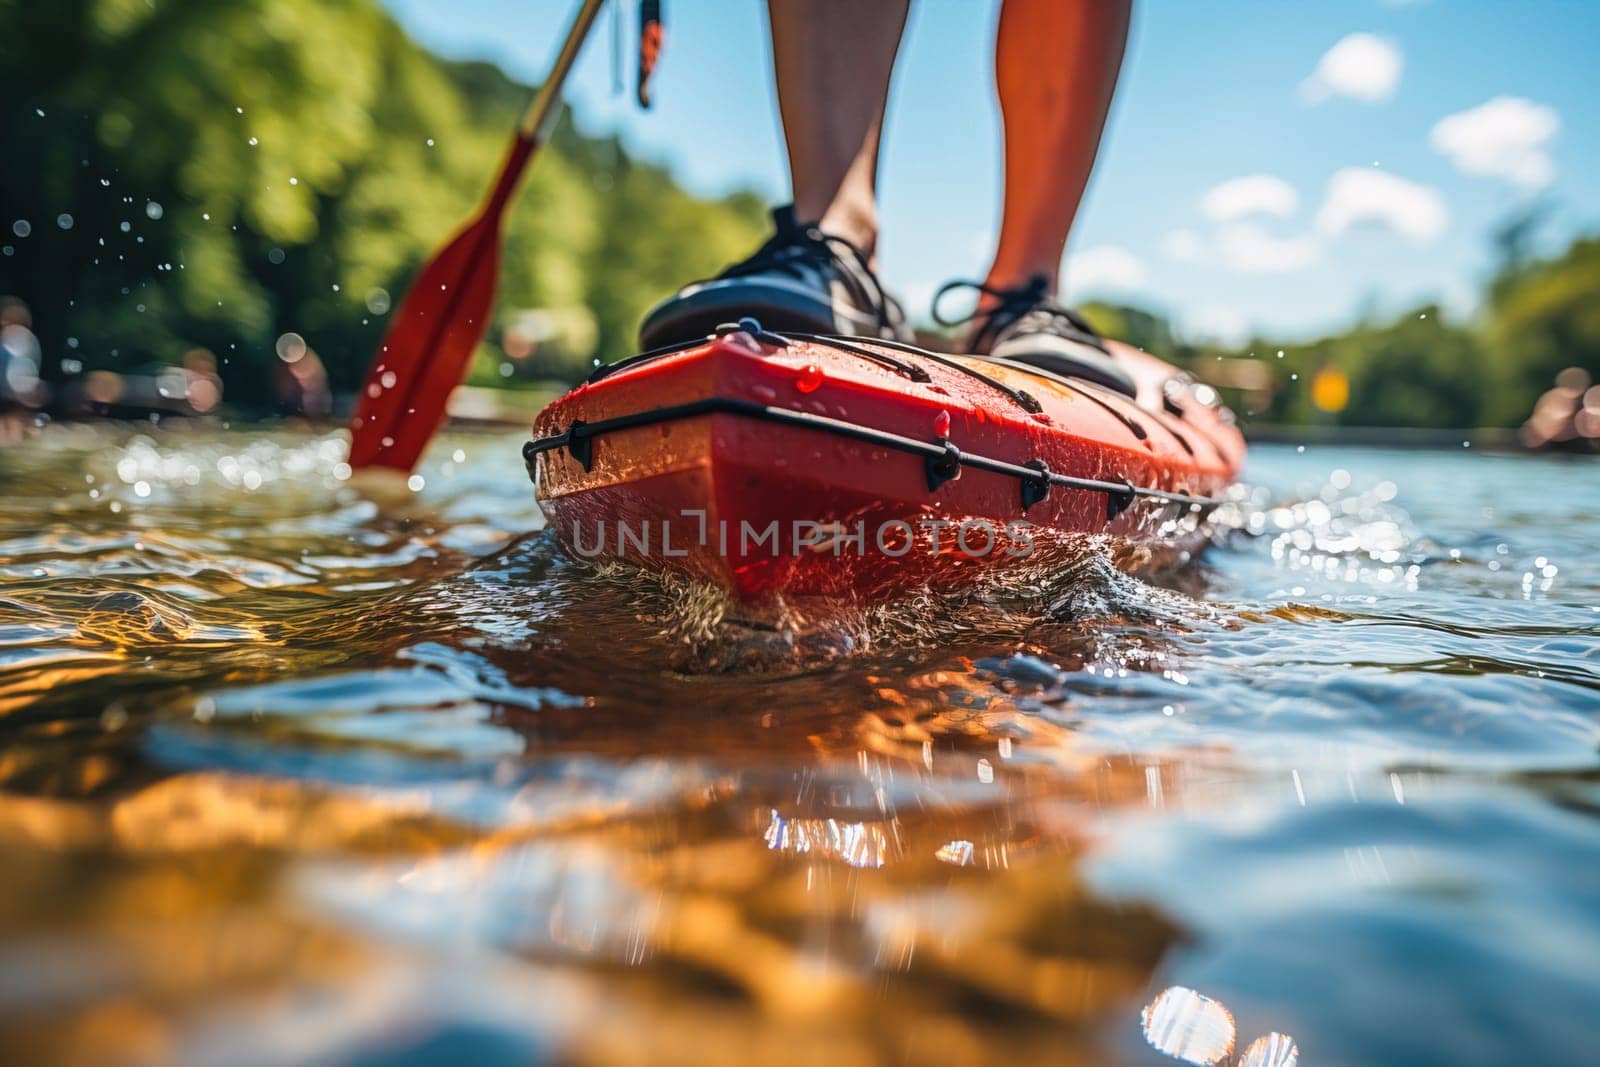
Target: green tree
219,172
1543,317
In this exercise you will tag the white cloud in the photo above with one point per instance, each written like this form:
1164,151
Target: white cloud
1244,247
1361,66
1215,322
1358,196
1182,245
1508,137
1105,267
1254,194
1249,249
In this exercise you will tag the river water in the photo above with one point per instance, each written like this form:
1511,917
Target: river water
301,772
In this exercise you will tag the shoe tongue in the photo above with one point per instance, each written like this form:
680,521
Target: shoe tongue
783,220
1052,318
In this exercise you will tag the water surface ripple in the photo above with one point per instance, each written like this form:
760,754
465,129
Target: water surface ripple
305,771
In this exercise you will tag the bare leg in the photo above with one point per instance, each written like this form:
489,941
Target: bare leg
1056,64
833,60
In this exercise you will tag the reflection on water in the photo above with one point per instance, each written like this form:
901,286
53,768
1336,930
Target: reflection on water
1271,1050
310,770
1188,1025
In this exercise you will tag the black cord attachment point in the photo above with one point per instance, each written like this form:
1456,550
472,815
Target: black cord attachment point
1117,501
580,444
943,467
751,325
1035,489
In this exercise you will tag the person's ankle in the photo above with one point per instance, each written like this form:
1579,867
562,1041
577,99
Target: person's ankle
856,223
1006,279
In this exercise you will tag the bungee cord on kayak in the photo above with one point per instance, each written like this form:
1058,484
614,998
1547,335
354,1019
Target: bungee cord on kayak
755,429
943,461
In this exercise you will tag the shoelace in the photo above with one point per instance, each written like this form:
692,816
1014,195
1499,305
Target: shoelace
793,244
1010,306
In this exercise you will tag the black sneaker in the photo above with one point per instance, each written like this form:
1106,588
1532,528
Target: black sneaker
1024,326
801,280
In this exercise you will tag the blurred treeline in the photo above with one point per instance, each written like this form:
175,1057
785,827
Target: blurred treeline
1538,317
215,174
212,175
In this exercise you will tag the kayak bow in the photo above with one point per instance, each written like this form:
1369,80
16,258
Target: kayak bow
778,464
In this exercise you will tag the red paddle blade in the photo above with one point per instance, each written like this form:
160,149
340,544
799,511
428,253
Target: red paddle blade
432,337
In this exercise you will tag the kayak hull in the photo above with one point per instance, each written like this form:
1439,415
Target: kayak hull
779,465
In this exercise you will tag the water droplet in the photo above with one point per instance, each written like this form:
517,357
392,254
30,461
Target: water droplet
154,210
291,347
64,221
22,227
415,483
941,424
810,378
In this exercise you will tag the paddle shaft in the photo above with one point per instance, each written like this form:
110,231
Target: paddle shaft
539,121
541,115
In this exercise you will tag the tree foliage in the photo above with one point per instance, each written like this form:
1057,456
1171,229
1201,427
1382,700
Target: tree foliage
1543,317
219,172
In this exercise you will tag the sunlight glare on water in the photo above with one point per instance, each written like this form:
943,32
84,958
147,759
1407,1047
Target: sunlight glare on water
304,767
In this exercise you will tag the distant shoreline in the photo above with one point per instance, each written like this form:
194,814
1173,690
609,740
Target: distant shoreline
1491,439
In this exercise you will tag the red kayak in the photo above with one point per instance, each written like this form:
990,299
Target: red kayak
777,464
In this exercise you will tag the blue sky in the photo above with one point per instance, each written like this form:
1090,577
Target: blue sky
1381,141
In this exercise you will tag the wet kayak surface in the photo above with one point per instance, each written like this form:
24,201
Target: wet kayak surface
300,771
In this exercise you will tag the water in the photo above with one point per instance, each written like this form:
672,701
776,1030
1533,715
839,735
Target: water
294,772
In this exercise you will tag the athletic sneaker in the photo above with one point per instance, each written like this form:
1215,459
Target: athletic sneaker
802,280
1024,326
